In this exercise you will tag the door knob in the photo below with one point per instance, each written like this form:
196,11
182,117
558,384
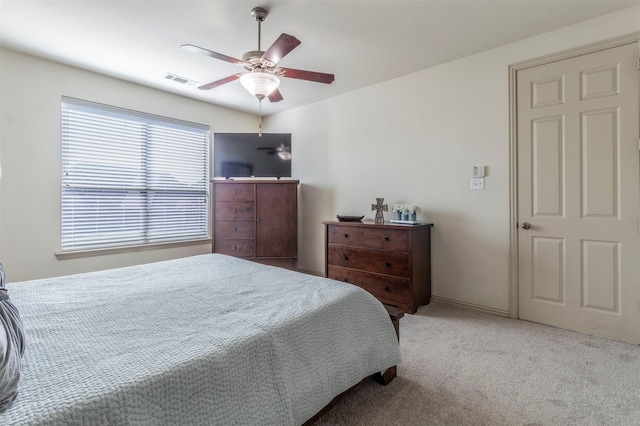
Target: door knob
526,225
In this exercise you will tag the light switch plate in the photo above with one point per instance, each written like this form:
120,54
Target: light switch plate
477,183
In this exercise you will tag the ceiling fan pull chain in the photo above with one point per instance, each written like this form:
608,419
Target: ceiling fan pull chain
260,119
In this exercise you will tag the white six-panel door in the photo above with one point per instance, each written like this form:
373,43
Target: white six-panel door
579,193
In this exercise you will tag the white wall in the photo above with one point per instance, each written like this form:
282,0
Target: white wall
412,139
31,91
415,139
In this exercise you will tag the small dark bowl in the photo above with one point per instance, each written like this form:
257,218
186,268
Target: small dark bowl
349,218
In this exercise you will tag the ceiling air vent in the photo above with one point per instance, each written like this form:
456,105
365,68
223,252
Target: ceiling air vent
180,80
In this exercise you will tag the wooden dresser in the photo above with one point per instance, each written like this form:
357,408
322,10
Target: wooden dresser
256,220
392,262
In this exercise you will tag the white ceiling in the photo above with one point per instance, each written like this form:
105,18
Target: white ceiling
361,42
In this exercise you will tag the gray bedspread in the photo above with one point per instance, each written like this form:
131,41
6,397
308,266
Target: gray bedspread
204,340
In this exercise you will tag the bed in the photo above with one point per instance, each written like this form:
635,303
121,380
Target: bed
203,340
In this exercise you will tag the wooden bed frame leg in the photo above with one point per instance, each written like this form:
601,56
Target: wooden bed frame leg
386,377
395,314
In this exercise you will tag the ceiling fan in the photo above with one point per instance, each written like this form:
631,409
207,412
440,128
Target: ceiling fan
262,70
282,150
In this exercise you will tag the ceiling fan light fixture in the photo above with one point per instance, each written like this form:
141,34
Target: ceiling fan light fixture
259,83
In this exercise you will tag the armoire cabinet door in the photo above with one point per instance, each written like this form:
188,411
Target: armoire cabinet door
276,220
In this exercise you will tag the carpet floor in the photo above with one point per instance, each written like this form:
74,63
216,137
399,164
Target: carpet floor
464,367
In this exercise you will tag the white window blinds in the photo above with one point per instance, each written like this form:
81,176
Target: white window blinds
130,178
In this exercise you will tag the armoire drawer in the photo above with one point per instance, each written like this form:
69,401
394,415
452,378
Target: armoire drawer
234,230
381,239
237,192
239,248
234,211
389,263
381,286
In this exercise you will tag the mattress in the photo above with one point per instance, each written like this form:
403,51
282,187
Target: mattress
203,340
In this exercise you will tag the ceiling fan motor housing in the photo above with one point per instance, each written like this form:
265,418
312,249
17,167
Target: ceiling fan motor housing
252,57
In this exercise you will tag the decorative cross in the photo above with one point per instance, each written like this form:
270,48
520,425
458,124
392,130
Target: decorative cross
379,208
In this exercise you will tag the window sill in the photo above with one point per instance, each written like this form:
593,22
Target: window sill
64,255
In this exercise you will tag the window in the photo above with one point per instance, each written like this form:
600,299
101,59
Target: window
130,178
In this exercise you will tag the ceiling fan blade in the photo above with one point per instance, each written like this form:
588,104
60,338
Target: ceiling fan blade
318,77
275,96
211,54
221,81
279,49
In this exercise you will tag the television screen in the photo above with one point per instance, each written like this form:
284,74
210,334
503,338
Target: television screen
249,155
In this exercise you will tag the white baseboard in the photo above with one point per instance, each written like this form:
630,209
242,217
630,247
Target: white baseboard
474,306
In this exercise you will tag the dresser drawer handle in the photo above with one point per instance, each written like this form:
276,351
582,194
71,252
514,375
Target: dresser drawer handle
345,235
385,288
346,280
234,248
234,210
345,257
385,238
235,191
235,229
386,264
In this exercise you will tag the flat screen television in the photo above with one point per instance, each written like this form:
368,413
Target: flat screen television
249,155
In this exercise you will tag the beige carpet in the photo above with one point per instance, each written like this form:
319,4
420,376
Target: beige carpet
462,367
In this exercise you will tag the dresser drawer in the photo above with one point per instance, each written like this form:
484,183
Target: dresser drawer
389,263
234,230
382,287
234,211
234,192
239,248
382,239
